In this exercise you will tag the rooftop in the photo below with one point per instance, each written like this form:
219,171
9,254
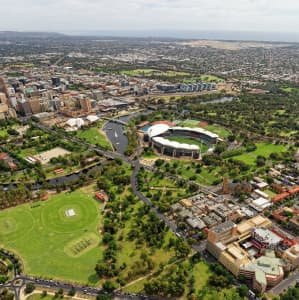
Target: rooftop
267,235
224,227
268,264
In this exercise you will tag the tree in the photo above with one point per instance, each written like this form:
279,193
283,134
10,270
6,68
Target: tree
30,287
109,286
104,297
59,294
72,292
6,295
44,294
243,290
182,249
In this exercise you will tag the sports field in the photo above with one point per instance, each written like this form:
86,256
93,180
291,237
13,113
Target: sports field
58,238
183,140
94,136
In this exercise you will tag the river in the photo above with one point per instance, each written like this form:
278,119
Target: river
116,132
117,136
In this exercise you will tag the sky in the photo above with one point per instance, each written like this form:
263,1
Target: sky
139,15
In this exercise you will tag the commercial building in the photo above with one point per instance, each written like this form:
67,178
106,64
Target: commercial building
260,204
35,105
248,249
24,107
3,88
85,105
291,257
266,271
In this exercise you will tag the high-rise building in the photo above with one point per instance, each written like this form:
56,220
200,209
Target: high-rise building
24,107
3,98
3,88
55,81
85,105
35,105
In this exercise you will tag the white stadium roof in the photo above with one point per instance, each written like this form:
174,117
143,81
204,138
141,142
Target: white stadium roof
156,130
176,145
197,130
159,129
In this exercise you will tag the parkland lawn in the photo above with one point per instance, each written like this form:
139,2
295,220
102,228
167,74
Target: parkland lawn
153,72
263,149
50,243
201,273
220,130
94,136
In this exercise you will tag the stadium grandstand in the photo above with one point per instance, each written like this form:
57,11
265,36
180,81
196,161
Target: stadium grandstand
157,136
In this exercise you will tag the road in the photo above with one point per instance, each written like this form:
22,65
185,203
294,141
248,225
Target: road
286,283
19,281
134,184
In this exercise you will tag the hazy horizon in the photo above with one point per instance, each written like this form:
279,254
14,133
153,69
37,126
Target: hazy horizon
151,16
285,37
193,34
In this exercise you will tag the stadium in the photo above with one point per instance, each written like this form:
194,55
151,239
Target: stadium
159,138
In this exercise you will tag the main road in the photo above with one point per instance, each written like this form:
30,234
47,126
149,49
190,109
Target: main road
291,280
19,281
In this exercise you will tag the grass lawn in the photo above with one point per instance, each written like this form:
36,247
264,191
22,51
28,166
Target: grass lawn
161,189
201,274
28,151
94,136
263,149
187,169
189,123
270,193
183,140
221,131
204,78
131,250
52,244
3,133
289,89
153,72
137,72
207,177
223,294
150,156
200,271
38,296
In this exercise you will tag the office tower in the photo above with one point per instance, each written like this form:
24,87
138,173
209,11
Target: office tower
85,105
55,81
35,105
3,88
24,107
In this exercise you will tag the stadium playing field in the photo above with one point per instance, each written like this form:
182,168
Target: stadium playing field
58,238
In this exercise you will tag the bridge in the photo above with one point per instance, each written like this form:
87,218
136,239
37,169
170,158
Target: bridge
115,121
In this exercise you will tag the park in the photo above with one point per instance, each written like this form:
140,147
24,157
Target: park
52,244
